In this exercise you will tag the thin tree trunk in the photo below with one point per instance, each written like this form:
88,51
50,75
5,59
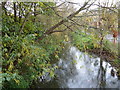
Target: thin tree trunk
20,12
26,17
3,7
15,13
34,11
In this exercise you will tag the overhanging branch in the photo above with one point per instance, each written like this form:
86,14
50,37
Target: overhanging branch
50,30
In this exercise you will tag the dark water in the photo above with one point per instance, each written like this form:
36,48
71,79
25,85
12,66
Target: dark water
79,70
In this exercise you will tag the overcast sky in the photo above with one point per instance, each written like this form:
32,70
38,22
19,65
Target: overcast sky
101,1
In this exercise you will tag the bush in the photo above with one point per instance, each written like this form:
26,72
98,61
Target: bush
23,59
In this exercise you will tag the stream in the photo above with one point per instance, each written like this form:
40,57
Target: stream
80,70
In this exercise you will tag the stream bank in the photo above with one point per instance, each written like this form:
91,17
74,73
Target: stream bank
106,56
86,43
78,69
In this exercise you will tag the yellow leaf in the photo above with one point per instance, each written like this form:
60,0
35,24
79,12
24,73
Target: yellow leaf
43,55
19,60
17,81
35,34
56,56
41,4
6,54
84,47
56,67
8,72
10,66
4,44
74,62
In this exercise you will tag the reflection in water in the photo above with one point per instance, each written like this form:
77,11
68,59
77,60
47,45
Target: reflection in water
80,70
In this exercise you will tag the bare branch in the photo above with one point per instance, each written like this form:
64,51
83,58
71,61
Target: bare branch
23,24
84,25
50,30
68,27
110,8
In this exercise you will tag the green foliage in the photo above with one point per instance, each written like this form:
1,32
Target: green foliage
24,59
45,8
13,80
111,47
117,61
83,41
9,26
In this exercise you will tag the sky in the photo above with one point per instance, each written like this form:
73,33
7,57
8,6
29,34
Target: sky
101,1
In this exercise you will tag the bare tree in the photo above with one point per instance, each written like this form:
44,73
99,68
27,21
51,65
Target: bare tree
52,29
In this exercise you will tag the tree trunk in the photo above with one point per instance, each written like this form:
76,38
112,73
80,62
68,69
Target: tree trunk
3,7
15,13
20,15
34,11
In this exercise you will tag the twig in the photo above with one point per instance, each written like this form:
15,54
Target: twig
50,30
23,24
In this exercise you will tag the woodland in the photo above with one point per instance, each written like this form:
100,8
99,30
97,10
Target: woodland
34,35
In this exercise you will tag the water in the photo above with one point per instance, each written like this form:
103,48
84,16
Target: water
111,38
80,70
